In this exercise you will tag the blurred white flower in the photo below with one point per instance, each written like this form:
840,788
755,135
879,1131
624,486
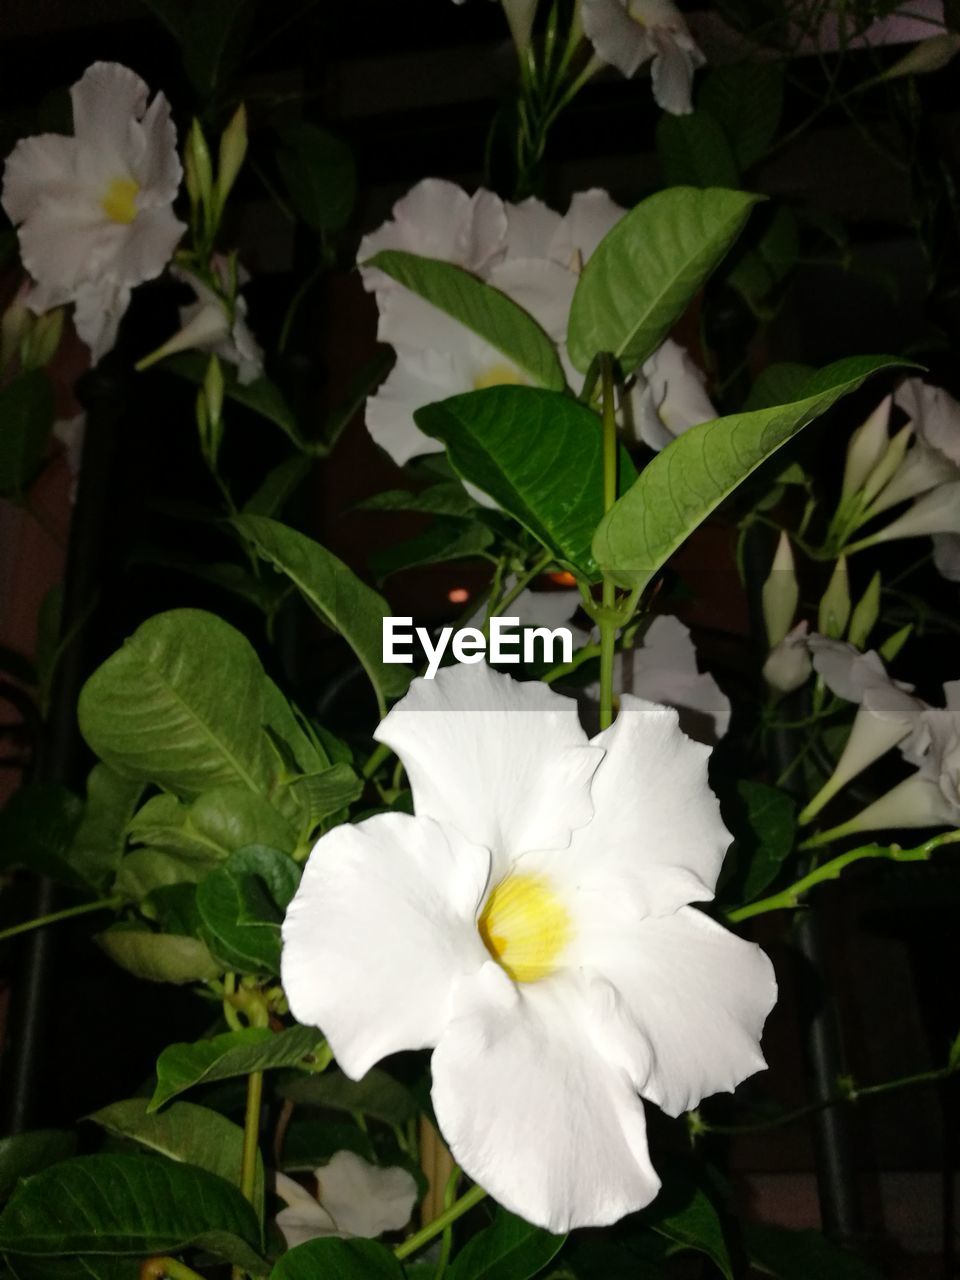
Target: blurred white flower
669,397
94,210
629,33
531,925
70,432
207,324
354,1198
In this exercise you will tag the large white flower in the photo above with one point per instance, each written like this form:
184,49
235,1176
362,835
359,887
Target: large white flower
354,1198
629,33
531,924
94,211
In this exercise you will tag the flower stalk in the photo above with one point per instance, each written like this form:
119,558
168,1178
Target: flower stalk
608,628
459,1207
54,917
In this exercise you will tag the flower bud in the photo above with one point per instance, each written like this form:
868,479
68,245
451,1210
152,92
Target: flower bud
198,157
233,149
867,446
893,644
834,613
41,340
889,464
14,324
780,593
788,665
520,15
928,55
213,390
866,613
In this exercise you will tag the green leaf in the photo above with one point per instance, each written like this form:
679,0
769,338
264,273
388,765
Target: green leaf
510,1249
123,1204
759,272
26,423
779,384
538,454
376,1095
98,845
747,99
321,795
689,479
180,705
37,827
235,1053
482,309
185,1132
78,1267
241,908
319,173
798,1255
335,594
278,486
694,151
771,823
158,957
685,1215
174,908
646,270
24,1154
447,499
335,1259
309,1142
214,40
443,540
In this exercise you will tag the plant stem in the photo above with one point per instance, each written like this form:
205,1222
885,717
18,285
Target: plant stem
427,1233
251,1131
167,1269
102,904
790,897
520,585
376,758
608,629
565,668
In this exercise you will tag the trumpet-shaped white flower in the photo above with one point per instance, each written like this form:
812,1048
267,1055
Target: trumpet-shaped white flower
207,324
94,211
354,1198
629,33
531,924
669,397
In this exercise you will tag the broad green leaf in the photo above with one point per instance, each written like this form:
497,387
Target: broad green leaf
768,840
185,1132
158,957
98,845
37,827
26,422
694,151
24,1154
644,273
446,499
311,1141
335,594
273,492
145,870
689,479
481,308
120,1204
376,1095
778,384
685,1215
747,99
760,272
538,454
174,908
510,1249
334,1259
321,795
800,1255
215,36
443,540
241,907
235,1053
180,705
319,173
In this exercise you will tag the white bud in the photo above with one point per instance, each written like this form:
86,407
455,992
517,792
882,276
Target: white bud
867,446
834,611
780,593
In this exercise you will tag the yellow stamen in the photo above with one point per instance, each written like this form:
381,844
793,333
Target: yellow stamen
499,375
120,201
525,927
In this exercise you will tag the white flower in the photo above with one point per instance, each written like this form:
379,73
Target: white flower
94,211
207,325
354,1198
788,664
669,397
629,33
531,925
70,432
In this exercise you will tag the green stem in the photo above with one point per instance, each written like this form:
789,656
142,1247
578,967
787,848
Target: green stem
375,759
789,898
102,904
167,1269
521,585
608,628
565,668
434,1228
251,1132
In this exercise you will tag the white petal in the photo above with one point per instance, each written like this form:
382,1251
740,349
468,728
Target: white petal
788,665
147,246
871,737
101,305
615,36
916,802
590,216
363,1199
46,167
934,413
303,1219
946,555
63,247
656,838
545,608
543,288
672,72
158,169
531,226
922,469
866,447
699,995
504,762
936,512
412,382
380,927
531,1110
108,100
669,397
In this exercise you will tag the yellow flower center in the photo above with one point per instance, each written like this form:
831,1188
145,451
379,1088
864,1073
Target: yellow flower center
525,927
120,201
499,375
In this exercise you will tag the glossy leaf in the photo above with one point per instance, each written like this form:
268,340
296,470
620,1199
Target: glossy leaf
510,1249
335,1259
91,1266
377,1095
241,907
319,173
481,308
158,957
685,1215
23,1154
211,827
97,846
644,273
181,705
279,485
335,594
694,151
321,795
442,541
446,499
235,1053
771,823
779,384
539,456
26,423
747,100
128,1204
689,479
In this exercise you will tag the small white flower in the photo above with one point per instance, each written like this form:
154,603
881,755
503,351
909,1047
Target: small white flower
94,211
354,1198
207,326
629,33
531,924
669,397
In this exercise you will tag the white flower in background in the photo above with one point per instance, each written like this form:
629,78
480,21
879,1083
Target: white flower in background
70,432
629,33
207,324
669,397
94,210
531,924
354,1198
788,664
